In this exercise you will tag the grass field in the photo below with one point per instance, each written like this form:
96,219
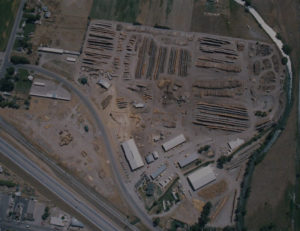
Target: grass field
273,182
120,10
8,10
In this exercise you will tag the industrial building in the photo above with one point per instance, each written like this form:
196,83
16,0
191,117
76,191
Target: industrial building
234,144
104,83
174,142
149,159
49,89
188,160
201,177
159,171
132,154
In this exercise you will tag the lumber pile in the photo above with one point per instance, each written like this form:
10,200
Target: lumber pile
220,84
228,67
231,118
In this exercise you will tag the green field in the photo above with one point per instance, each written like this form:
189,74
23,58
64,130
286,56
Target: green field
8,10
120,10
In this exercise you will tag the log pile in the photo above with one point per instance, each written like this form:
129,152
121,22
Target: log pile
231,118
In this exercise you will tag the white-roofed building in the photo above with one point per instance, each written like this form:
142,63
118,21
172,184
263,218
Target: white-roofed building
132,154
174,142
201,177
234,144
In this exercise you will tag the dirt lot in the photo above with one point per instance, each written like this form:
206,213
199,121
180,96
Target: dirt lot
271,202
66,27
63,129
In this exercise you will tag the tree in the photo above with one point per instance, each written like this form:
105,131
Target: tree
248,2
278,36
284,60
86,128
286,49
203,219
83,80
10,70
156,221
19,60
6,85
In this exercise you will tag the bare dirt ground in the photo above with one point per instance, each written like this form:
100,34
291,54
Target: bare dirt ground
66,27
273,179
58,127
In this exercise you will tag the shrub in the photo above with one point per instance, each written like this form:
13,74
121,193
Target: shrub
86,128
83,80
284,60
286,49
19,60
10,70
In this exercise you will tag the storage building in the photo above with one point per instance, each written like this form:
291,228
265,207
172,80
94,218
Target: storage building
149,159
234,144
132,154
159,171
104,83
201,177
174,142
188,160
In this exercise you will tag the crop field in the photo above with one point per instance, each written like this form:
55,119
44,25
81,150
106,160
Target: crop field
120,10
8,10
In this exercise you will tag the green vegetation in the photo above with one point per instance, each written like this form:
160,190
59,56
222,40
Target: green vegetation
169,7
8,10
86,128
248,2
223,160
260,113
7,183
23,84
203,219
120,10
156,221
19,60
176,224
204,149
46,213
286,49
278,36
284,60
83,80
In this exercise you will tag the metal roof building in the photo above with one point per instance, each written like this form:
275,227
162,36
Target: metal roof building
174,142
132,154
188,160
201,177
159,171
149,159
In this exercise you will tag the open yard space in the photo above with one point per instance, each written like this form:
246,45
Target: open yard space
8,11
153,86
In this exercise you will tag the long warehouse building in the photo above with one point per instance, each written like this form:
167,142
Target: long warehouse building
132,154
188,160
173,142
201,177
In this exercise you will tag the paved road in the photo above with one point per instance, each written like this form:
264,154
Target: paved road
102,223
100,202
12,38
138,210
273,35
15,226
